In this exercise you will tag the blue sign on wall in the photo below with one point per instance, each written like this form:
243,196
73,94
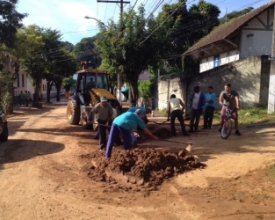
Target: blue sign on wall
216,60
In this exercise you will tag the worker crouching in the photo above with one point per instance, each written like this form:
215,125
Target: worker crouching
125,125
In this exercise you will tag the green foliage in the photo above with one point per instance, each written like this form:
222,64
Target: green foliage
123,49
10,21
85,50
235,14
6,100
250,115
254,115
271,172
181,28
67,83
145,88
6,81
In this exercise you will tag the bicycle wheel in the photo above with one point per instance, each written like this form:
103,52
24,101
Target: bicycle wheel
226,129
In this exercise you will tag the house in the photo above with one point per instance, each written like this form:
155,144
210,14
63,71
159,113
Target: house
237,52
24,83
245,36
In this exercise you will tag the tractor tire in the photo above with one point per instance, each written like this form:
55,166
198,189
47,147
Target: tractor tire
73,112
5,134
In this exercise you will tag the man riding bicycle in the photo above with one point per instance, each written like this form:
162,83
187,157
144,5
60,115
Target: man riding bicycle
230,99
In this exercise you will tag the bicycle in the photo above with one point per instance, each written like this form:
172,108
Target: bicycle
227,124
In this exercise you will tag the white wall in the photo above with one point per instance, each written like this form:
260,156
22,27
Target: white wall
27,86
255,40
228,57
260,40
206,64
258,44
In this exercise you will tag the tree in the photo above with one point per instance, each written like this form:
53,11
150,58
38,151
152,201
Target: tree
59,61
122,47
85,50
10,21
182,28
33,61
235,14
67,83
6,80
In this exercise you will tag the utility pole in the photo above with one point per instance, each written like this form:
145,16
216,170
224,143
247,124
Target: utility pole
271,92
119,83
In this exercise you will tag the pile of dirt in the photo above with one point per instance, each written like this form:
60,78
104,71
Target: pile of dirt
139,167
157,130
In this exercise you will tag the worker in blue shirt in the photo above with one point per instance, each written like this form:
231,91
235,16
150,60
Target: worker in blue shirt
125,124
210,104
144,111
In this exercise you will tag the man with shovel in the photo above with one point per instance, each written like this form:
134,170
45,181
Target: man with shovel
175,110
104,112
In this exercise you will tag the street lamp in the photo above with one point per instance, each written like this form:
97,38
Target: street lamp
88,17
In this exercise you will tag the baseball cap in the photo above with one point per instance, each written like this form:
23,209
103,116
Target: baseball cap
139,112
103,99
149,109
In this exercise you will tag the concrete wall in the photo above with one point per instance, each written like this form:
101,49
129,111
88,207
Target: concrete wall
167,88
249,77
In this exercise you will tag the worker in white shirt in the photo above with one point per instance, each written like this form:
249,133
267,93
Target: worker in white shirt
175,110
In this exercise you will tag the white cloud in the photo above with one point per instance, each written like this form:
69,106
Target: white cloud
64,16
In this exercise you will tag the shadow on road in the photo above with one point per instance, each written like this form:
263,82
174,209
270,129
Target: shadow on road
17,150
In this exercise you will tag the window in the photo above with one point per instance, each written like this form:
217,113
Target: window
216,60
23,80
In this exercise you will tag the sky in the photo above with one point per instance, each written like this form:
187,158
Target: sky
67,16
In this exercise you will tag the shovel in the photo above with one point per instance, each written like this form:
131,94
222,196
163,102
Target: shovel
161,123
176,142
188,148
107,126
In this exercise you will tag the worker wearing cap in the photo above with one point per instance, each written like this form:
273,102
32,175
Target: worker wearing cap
104,112
125,124
144,111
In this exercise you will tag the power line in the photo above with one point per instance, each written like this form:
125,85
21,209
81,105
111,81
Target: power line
114,12
134,4
105,13
162,23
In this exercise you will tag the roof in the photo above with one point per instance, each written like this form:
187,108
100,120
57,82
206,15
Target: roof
224,30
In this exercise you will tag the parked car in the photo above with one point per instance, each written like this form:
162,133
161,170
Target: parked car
4,132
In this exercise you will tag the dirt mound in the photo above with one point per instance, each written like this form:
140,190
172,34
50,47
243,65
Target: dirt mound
158,131
139,167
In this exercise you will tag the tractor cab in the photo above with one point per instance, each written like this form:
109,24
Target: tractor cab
91,84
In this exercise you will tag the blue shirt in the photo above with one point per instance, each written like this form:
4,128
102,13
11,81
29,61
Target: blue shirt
129,121
133,109
212,97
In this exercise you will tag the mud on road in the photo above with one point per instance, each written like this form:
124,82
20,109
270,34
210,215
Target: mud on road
45,171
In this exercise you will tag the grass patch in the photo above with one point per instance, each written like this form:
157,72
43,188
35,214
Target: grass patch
271,172
249,116
163,111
